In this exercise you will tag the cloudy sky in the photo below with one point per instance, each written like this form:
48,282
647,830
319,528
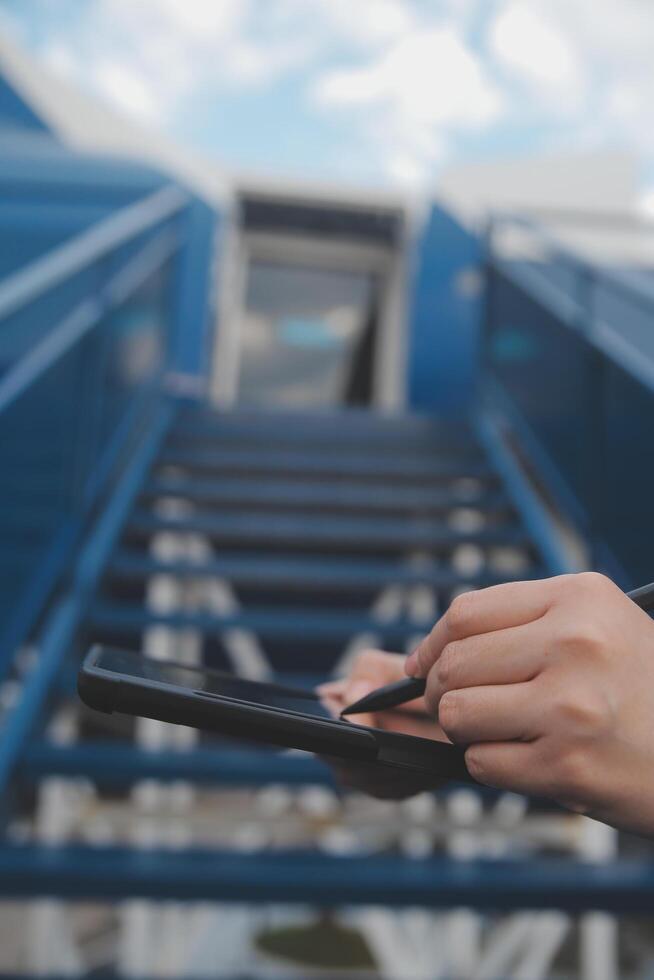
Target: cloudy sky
385,91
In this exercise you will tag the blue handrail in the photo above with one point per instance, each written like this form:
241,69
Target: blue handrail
86,332
83,318
88,247
640,290
569,368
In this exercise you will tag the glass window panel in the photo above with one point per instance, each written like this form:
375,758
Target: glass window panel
300,330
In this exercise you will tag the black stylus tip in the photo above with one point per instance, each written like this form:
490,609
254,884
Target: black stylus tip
389,696
360,706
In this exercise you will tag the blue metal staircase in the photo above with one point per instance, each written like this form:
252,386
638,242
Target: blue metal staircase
109,482
306,579
404,502
310,553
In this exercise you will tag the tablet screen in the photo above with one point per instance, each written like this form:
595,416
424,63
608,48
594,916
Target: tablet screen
211,682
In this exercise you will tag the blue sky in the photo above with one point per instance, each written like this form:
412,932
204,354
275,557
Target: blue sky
384,92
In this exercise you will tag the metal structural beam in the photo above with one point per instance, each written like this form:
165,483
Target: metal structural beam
194,874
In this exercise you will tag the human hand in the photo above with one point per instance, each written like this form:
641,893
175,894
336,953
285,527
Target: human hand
550,685
372,669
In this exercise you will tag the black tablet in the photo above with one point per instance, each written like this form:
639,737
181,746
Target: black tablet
117,680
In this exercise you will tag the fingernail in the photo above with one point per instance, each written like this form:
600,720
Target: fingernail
411,664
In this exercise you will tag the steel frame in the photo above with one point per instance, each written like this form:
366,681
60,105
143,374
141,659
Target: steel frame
111,873
188,591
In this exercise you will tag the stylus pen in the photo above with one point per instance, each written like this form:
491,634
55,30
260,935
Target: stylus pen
393,695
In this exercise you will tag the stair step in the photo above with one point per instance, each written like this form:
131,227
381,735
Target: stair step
307,573
113,765
284,623
339,428
401,468
75,872
329,531
341,437
338,496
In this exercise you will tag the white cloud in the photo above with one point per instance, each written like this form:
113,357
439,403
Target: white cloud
409,80
61,60
203,21
204,42
127,89
415,92
428,77
154,56
365,22
526,42
249,63
582,64
646,203
407,169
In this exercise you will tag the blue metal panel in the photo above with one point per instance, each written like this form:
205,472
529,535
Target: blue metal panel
570,370
626,517
535,516
194,299
59,629
35,229
37,168
35,299
16,112
544,370
82,341
444,317
106,873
